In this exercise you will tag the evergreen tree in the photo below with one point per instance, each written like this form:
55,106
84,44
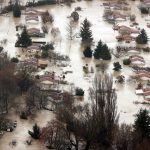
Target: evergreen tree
105,54
16,10
36,132
102,51
87,52
142,125
126,61
142,37
24,40
97,52
117,66
86,33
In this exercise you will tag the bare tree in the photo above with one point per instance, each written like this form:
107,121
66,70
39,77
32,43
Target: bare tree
24,81
104,108
92,125
55,136
36,100
8,86
70,31
119,51
124,137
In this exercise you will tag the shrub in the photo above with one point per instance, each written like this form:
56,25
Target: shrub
47,47
37,77
79,92
75,16
147,49
117,66
23,115
15,60
144,10
42,67
36,132
126,61
132,18
85,69
44,54
36,56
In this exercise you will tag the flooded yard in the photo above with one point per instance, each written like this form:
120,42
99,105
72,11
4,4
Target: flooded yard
93,11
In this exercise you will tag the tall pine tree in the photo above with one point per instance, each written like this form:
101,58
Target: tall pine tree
142,125
98,49
16,10
105,53
86,33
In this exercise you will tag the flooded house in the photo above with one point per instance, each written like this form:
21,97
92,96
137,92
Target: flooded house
126,38
35,32
128,49
144,76
136,59
145,92
116,5
34,47
31,11
133,50
112,16
45,82
138,69
122,29
32,18
43,63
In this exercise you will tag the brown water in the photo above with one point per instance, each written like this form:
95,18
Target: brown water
101,30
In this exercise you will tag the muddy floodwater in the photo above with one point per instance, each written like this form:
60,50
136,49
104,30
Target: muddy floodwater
93,11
